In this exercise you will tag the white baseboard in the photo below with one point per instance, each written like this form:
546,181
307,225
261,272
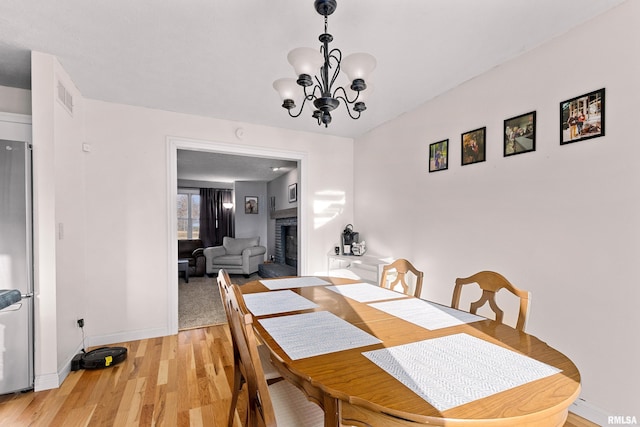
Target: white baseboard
589,412
127,336
46,382
49,381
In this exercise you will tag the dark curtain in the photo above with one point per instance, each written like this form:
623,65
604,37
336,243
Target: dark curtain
216,221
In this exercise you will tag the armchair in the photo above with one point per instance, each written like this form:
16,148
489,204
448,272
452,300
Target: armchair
236,256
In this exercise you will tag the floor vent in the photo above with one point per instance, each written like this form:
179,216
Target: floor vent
65,97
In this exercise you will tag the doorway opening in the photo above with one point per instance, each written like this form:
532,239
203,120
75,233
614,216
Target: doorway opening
254,155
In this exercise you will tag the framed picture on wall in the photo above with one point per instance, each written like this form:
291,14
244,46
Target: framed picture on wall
473,146
439,156
251,205
582,117
293,193
520,134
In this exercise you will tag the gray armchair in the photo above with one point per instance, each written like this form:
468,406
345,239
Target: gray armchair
236,256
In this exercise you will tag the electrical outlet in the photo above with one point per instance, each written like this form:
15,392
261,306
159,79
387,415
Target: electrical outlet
80,323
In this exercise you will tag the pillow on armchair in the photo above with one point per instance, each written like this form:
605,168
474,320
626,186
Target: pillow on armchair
235,246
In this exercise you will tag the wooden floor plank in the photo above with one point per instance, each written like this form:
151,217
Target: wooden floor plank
181,380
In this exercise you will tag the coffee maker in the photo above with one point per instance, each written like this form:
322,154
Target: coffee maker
349,237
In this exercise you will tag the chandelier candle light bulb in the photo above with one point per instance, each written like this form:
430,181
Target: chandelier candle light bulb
324,66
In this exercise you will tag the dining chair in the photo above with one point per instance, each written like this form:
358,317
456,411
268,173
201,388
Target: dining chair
279,404
270,372
491,282
402,274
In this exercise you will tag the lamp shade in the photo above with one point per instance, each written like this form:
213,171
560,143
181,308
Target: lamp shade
287,88
358,66
305,60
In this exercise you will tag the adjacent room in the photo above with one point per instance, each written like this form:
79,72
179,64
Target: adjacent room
338,183
223,195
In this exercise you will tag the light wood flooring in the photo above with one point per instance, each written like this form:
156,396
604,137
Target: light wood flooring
180,380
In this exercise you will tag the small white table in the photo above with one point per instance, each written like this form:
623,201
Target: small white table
366,267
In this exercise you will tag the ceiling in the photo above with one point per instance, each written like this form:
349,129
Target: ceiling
218,167
219,58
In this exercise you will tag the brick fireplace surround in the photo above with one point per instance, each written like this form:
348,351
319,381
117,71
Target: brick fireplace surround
283,265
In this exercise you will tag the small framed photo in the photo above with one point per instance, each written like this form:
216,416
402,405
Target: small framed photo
439,156
520,134
474,146
251,205
582,117
293,193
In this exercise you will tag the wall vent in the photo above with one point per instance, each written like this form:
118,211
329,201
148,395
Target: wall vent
65,97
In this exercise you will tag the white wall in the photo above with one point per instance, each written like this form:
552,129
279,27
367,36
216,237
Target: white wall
112,265
561,222
59,225
71,247
127,206
252,225
279,188
44,225
14,100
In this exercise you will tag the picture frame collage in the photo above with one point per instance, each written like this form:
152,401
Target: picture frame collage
581,118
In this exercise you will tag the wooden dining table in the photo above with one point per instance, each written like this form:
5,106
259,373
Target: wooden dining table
353,390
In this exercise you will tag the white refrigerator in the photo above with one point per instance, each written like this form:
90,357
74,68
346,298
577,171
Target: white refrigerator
16,272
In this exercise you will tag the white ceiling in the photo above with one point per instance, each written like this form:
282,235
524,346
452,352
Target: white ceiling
219,58
218,167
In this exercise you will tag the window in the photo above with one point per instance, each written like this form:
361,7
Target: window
188,203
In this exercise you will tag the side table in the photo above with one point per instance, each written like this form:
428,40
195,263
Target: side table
183,265
365,267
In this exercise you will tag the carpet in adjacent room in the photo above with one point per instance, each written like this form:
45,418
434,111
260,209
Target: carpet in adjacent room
199,302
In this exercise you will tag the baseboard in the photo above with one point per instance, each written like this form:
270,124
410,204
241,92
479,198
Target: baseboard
127,336
46,382
589,412
49,381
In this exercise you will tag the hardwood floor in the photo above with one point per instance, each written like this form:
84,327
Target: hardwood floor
180,380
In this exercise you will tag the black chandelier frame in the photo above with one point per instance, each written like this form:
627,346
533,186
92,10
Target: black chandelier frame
324,100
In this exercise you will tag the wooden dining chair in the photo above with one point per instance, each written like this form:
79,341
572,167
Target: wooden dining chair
407,277
491,282
280,403
270,372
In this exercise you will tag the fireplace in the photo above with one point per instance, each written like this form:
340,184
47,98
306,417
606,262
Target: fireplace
286,250
290,236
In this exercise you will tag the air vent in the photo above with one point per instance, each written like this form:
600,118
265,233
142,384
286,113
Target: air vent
65,97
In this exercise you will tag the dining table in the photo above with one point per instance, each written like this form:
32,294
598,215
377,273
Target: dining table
370,356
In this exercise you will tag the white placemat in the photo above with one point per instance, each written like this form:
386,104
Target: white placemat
316,333
262,303
457,369
426,314
293,282
365,292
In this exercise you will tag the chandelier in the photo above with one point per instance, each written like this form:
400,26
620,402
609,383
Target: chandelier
325,66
